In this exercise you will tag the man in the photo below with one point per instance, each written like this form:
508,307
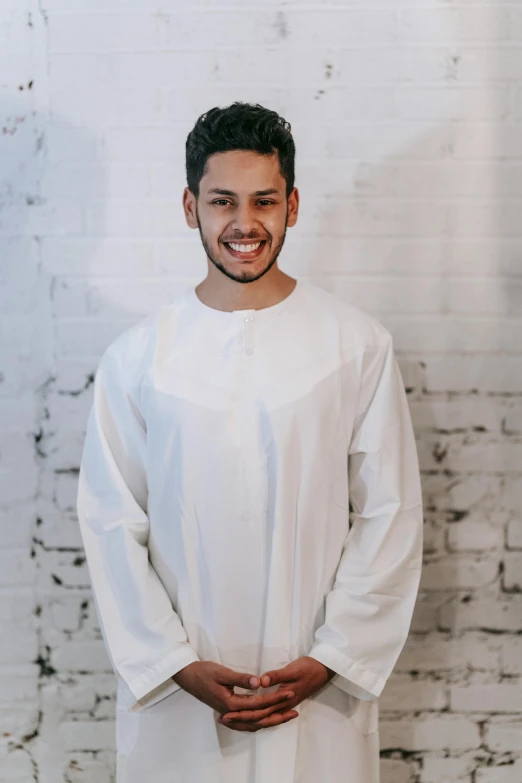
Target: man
249,499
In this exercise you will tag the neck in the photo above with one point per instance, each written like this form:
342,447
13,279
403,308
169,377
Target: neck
220,292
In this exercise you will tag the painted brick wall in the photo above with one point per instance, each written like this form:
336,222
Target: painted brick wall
408,126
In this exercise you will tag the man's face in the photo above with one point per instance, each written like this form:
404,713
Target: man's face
242,200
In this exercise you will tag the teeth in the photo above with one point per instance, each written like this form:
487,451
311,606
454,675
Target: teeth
244,248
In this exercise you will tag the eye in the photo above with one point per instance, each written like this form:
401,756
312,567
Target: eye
226,201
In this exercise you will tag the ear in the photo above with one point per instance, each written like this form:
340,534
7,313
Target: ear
189,207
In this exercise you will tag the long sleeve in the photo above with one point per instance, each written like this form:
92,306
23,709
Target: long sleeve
369,608
143,634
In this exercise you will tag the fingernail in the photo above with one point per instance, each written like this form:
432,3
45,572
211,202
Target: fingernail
290,695
253,682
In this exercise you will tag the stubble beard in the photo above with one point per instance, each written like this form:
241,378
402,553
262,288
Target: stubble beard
244,275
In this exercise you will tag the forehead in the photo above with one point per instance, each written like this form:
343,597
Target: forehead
241,169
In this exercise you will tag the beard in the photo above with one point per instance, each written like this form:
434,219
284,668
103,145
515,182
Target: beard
243,275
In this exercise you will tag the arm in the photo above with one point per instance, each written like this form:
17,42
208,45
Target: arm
144,637
369,609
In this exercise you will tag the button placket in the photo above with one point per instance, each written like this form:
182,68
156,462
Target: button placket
249,334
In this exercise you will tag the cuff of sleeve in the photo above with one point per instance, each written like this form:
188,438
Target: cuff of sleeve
156,683
350,676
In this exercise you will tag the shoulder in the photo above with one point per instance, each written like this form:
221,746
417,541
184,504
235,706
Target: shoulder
133,350
358,328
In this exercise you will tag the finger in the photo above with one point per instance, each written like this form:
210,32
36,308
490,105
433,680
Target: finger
277,718
251,715
274,720
228,676
277,676
256,702
246,714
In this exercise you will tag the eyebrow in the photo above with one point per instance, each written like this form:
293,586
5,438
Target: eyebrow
222,192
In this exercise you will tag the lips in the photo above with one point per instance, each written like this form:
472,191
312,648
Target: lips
246,256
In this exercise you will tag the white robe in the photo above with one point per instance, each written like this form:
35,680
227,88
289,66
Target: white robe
249,493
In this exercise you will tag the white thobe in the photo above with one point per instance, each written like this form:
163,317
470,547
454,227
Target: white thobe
249,493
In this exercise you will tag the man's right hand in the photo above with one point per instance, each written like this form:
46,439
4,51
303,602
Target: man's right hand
213,684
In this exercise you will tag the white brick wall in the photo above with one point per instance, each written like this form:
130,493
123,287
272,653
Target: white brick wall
408,126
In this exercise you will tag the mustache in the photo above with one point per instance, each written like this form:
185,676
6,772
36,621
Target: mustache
245,239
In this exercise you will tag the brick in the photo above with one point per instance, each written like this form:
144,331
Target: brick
66,613
438,653
505,773
74,340
77,697
17,568
459,24
17,523
87,770
467,220
404,694
18,719
108,107
109,32
488,614
23,644
469,535
87,735
455,333
16,414
448,770
424,617
504,736
82,656
455,103
84,769
511,655
76,298
466,492
447,733
459,571
396,771
18,684
483,373
496,697
15,766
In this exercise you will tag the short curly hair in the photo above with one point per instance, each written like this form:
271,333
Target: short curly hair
240,126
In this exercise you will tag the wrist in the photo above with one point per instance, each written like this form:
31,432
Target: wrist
330,672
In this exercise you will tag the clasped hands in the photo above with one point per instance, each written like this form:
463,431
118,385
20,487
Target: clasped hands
214,685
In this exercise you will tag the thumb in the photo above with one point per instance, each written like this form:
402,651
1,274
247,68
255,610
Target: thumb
242,680
273,677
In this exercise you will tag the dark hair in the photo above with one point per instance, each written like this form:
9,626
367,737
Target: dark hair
240,126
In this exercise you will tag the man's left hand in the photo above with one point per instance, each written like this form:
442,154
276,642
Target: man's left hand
302,677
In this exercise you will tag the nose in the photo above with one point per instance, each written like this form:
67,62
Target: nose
244,219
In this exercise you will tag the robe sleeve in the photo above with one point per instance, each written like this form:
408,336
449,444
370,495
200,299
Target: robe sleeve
369,608
143,634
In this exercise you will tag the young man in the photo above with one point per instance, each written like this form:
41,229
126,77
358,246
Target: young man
249,499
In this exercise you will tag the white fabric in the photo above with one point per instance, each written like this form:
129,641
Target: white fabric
249,493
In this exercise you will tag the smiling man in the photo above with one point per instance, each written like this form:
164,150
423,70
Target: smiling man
249,499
